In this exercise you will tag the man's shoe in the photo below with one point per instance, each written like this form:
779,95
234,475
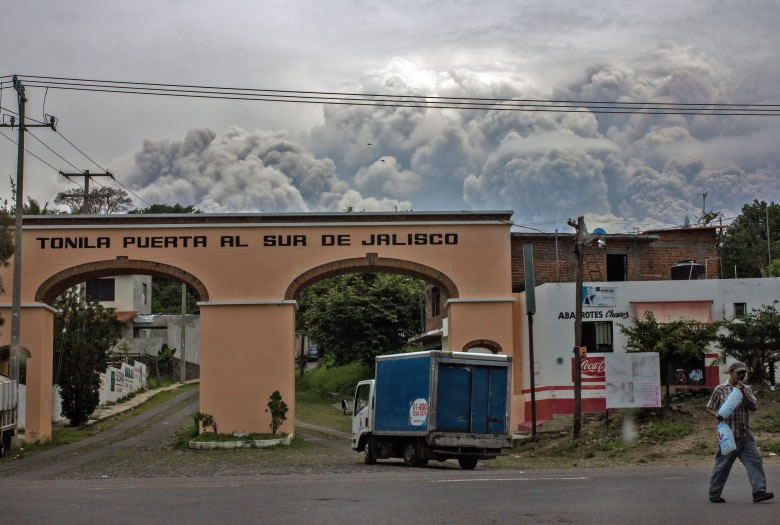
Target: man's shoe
719,500
762,496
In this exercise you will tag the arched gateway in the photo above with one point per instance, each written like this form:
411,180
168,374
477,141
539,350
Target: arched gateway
248,269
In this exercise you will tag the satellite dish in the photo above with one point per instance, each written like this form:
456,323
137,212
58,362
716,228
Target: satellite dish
599,231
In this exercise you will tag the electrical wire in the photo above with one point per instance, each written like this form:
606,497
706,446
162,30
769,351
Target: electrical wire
50,149
58,132
408,101
337,93
31,153
26,116
390,104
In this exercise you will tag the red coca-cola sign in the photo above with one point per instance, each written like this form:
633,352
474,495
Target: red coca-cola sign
592,369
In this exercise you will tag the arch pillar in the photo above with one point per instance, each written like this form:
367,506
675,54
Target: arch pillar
470,320
37,336
246,352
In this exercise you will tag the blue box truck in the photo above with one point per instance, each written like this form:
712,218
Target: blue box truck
434,405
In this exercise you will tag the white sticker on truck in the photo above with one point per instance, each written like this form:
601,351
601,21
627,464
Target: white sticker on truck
418,412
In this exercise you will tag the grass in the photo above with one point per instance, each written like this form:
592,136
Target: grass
321,412
325,380
662,431
66,434
769,445
768,422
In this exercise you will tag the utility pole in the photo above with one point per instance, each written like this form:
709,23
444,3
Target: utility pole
87,175
183,341
703,207
768,239
579,251
16,296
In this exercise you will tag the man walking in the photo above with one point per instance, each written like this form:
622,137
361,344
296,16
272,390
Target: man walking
746,445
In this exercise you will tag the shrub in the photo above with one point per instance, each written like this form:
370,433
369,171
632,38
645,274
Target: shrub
205,420
277,409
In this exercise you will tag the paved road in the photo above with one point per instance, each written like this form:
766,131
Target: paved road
390,493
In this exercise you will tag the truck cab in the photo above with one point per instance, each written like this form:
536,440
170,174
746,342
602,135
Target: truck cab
362,416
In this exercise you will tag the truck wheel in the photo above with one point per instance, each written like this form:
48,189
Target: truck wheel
411,459
468,462
369,454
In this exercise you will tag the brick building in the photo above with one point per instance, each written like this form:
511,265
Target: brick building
647,256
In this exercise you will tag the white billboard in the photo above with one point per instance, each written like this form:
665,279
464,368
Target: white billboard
633,379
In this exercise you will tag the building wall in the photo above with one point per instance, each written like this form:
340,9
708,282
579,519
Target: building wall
650,256
554,331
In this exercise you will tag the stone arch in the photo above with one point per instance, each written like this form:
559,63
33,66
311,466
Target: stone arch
371,263
483,343
55,285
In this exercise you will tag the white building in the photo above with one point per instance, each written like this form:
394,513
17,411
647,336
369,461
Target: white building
606,306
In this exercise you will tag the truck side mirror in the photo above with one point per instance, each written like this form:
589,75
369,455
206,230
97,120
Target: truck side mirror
344,406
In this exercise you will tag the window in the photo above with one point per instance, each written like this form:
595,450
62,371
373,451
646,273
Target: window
617,267
145,291
597,336
435,300
740,309
100,289
361,398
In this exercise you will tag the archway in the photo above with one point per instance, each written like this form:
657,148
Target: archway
55,285
487,344
248,269
371,263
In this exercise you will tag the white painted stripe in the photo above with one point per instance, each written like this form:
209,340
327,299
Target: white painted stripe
32,305
240,303
296,225
468,480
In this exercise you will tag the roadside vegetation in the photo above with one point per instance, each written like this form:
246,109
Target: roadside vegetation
681,434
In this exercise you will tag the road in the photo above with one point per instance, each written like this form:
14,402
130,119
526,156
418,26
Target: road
391,493
384,493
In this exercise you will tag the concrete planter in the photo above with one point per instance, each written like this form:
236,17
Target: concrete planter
255,443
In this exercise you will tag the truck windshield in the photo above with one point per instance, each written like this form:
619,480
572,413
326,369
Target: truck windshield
361,397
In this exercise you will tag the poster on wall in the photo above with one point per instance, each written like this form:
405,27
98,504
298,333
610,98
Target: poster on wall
633,380
598,296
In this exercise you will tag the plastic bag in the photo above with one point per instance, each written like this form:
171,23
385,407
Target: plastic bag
731,402
726,439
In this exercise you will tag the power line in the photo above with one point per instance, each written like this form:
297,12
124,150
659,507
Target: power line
50,149
409,101
26,116
78,149
339,94
31,153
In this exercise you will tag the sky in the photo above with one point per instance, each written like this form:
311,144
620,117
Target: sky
623,172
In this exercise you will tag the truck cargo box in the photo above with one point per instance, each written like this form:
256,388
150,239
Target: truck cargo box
434,391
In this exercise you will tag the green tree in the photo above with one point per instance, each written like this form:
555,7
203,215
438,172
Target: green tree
745,240
84,331
676,340
356,317
774,268
754,340
166,297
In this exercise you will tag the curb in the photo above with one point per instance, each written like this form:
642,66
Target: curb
256,443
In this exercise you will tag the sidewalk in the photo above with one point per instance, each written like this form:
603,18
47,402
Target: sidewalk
106,412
